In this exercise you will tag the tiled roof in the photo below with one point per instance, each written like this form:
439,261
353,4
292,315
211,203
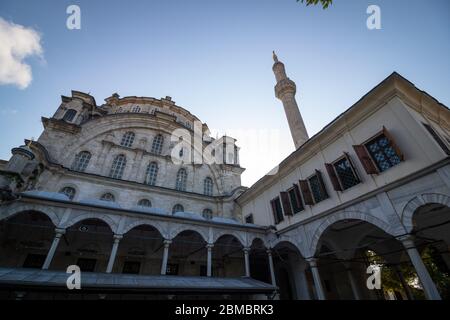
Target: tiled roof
91,280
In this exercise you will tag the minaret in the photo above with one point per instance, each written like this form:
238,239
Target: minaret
285,91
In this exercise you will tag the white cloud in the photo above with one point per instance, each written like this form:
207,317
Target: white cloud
17,43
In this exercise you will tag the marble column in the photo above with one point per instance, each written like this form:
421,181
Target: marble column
316,276
112,257
209,247
300,280
271,268
165,256
353,283
54,246
247,261
428,285
403,282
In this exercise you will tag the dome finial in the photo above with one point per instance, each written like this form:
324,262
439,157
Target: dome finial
275,58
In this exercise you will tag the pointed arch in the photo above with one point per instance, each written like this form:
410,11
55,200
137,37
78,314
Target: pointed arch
14,210
220,233
348,215
138,223
252,237
181,228
418,201
104,218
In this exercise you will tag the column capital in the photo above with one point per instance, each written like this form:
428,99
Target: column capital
117,237
269,252
59,232
407,240
167,243
210,245
312,262
246,249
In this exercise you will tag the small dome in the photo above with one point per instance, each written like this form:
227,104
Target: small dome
24,151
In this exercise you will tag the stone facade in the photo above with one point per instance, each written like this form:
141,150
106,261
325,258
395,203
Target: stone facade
302,233
387,201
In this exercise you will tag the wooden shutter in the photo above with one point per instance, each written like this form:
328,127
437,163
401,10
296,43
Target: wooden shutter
306,192
393,145
286,205
365,159
323,189
298,196
333,177
274,211
355,173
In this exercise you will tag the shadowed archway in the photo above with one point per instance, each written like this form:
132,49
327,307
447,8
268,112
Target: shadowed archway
140,251
187,255
25,239
228,257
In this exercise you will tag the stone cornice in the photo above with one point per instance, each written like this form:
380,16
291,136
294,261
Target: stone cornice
107,181
134,213
60,125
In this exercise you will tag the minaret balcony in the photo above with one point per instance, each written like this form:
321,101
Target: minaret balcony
285,86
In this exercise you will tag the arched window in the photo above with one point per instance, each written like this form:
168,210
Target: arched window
136,109
208,186
69,115
157,144
118,167
81,161
127,139
119,110
207,214
181,180
151,174
177,208
68,191
108,197
144,203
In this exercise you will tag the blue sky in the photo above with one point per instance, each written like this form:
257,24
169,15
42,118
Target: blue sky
214,58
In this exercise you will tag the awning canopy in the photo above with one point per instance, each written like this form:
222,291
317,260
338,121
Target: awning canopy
91,281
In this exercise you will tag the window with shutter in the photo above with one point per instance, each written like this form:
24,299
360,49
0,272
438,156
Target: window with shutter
297,193
277,210
306,192
322,187
365,159
286,205
274,211
393,144
345,175
296,199
333,177
381,151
